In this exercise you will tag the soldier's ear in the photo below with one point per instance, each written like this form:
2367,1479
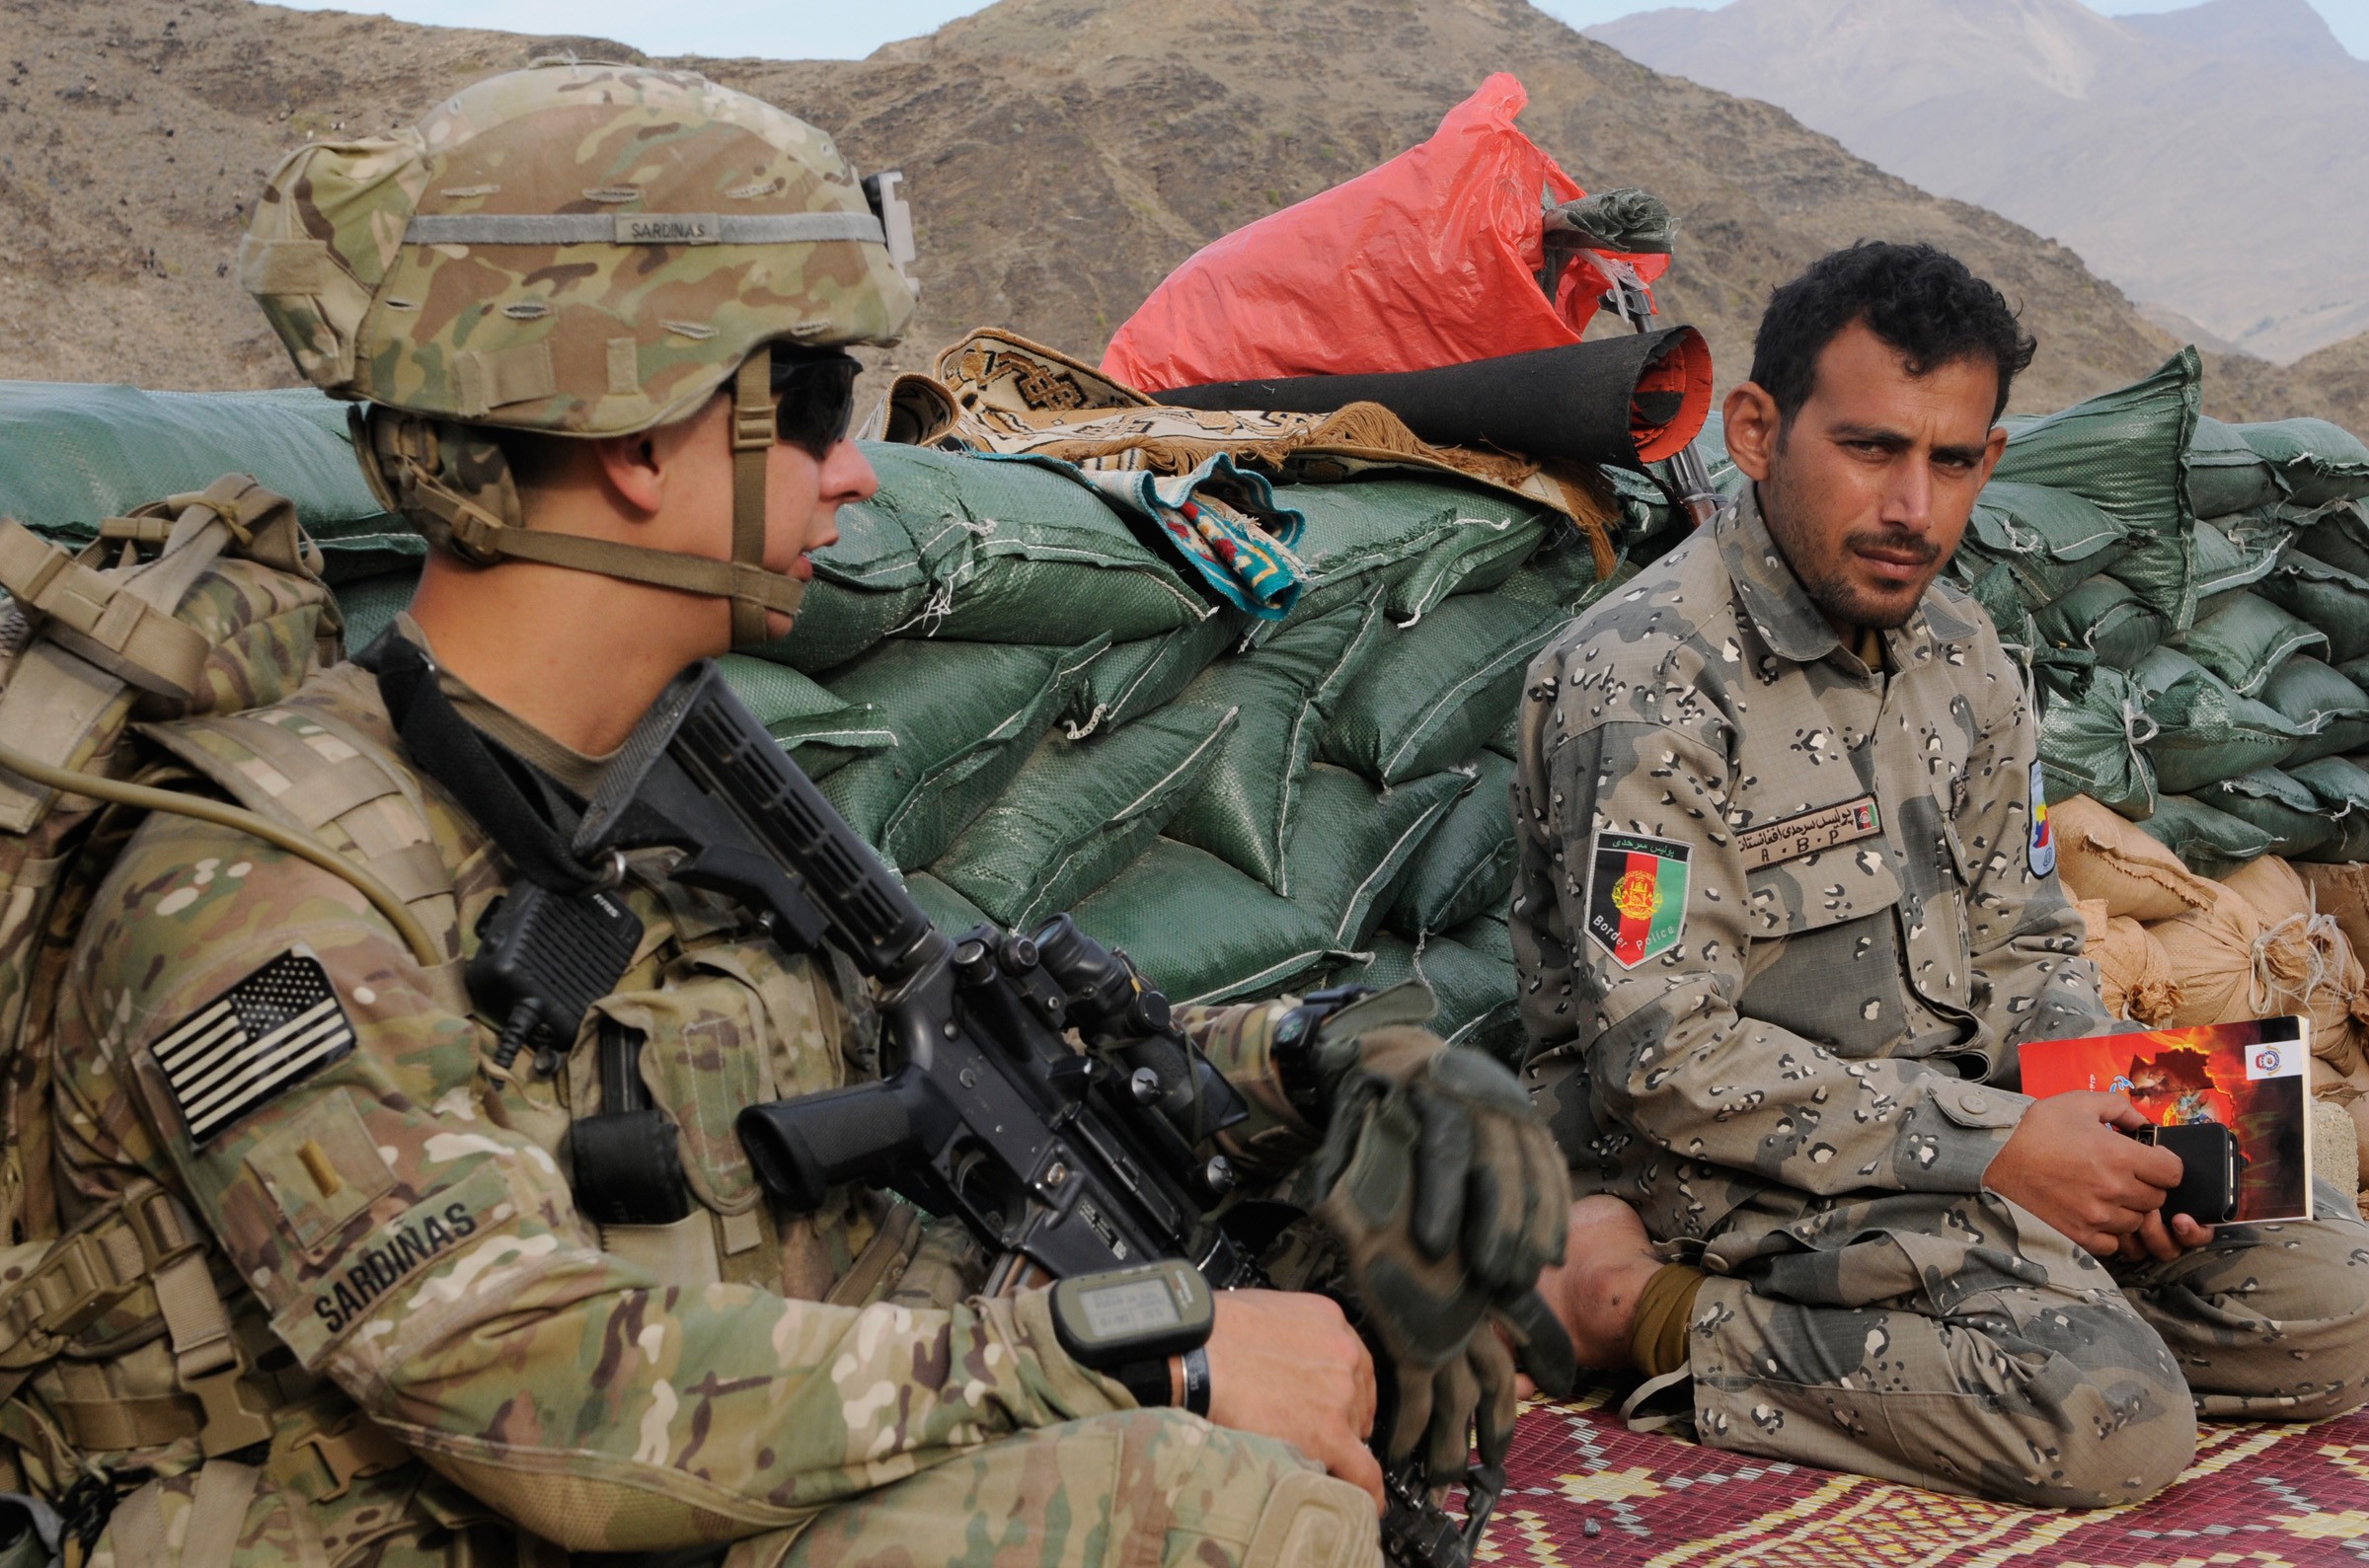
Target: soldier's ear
1753,429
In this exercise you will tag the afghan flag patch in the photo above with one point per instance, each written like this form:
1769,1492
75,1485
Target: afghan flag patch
1637,895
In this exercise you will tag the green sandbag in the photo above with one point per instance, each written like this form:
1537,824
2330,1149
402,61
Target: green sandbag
2089,743
2211,842
2319,462
1078,811
370,605
2161,568
2120,451
1200,929
1413,536
1488,545
817,726
1435,690
2342,787
1561,576
2246,641
2340,537
1475,993
2049,540
1351,845
2229,561
2332,709
1244,807
2205,732
1134,677
2105,616
948,910
73,454
2284,807
966,549
2224,475
1996,594
966,715
1507,741
2319,594
1466,870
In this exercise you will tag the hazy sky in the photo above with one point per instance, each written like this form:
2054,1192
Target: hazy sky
834,29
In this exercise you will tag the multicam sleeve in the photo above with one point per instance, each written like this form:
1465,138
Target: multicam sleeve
1656,986
1239,1040
2030,981
408,1237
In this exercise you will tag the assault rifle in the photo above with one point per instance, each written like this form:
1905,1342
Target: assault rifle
1063,1162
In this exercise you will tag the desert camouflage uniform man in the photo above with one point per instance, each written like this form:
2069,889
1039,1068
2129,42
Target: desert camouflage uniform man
621,445
1785,913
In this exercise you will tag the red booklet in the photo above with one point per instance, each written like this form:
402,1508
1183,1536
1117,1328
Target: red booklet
2254,1079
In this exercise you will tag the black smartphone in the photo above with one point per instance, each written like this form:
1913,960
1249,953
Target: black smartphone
2210,1166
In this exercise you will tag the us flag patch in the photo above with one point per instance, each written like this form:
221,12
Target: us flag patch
272,1029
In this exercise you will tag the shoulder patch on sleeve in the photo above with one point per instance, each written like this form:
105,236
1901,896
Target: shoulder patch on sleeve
251,1044
2042,841
1637,895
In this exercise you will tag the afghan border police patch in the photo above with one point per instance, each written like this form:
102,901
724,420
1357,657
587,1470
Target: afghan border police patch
1637,895
271,1031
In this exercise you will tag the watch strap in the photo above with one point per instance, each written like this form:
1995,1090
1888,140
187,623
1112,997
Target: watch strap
1149,1380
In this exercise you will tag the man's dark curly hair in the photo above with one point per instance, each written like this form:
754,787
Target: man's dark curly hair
1921,300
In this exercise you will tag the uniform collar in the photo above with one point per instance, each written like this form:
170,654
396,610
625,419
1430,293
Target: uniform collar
1779,609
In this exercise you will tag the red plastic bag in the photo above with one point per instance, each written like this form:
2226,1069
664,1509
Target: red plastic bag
1431,260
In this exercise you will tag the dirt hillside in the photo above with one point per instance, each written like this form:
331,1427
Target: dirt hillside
1062,156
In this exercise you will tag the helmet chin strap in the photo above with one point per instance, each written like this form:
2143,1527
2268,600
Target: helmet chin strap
752,444
406,449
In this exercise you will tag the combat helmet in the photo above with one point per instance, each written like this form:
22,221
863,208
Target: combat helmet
578,249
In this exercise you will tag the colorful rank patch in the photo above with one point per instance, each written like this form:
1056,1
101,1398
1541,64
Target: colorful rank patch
2044,842
242,1050
1637,895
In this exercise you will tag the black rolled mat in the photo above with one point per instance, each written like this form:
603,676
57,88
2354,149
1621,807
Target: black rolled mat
1625,401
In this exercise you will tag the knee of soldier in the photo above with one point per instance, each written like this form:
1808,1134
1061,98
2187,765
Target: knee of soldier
1234,1496
1314,1521
2117,1421
2131,1439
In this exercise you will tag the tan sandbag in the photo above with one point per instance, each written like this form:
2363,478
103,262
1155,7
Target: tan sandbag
2211,950
2133,970
2337,1144
2341,891
2100,856
2303,962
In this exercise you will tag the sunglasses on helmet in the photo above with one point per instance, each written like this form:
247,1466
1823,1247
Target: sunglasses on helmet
814,399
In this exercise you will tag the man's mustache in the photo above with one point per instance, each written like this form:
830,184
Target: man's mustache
1925,550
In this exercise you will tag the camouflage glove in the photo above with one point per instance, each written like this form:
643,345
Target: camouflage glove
1448,1195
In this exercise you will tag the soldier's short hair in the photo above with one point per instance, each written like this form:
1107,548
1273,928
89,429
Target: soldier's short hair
1921,300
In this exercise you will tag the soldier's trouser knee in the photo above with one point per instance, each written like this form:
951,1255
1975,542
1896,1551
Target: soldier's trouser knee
2267,1323
1951,1342
1143,1489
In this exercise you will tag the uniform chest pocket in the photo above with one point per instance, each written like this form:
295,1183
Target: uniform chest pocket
727,1027
1824,962
1792,898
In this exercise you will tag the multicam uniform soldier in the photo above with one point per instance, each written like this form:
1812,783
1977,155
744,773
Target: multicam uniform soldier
439,1357
1787,911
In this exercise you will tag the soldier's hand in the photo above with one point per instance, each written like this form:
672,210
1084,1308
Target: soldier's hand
1287,1365
1448,1195
2067,1162
2164,1240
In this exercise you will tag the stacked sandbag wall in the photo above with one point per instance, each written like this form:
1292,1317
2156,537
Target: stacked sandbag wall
1026,706
1019,699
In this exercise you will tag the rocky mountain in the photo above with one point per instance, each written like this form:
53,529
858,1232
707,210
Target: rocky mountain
1062,156
2212,161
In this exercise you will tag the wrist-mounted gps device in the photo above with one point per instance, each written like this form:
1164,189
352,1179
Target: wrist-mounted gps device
1128,1322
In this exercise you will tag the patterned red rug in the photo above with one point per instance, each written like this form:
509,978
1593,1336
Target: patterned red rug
1584,1490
